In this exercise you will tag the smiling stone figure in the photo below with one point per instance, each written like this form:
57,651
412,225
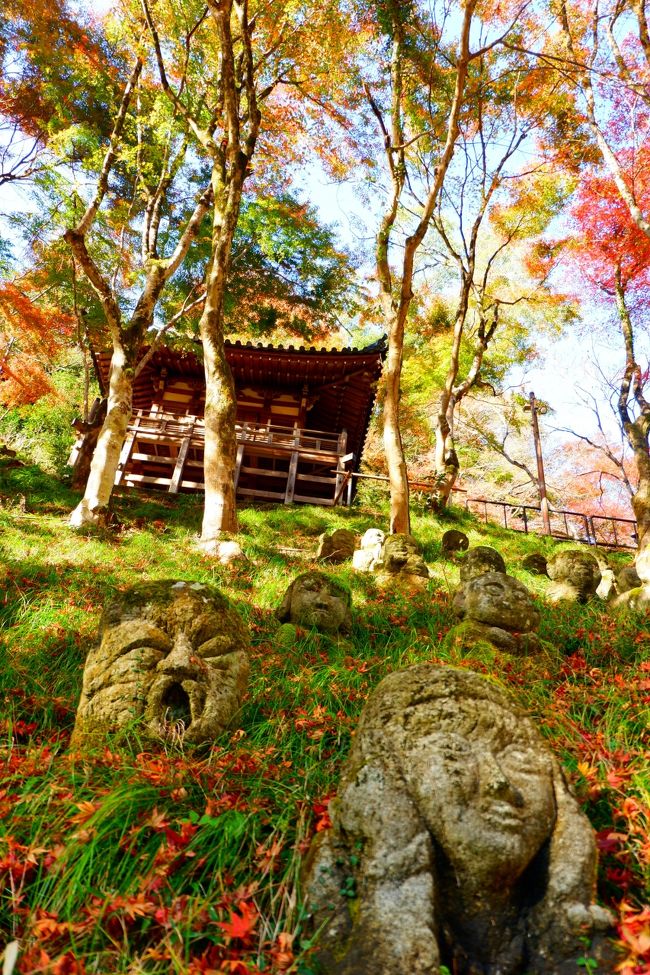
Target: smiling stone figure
455,840
172,660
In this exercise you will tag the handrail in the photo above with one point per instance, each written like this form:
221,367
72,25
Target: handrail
591,533
177,427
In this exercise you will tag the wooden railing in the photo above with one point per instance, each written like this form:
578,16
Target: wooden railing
168,441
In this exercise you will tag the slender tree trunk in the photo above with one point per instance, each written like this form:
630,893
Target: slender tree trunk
93,507
220,513
445,457
637,432
397,474
446,460
641,505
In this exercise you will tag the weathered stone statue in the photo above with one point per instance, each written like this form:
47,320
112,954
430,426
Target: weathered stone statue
316,600
535,563
455,841
337,547
575,574
402,555
498,610
172,659
368,554
479,560
454,541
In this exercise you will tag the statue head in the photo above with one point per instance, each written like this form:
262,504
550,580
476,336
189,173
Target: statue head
316,600
172,658
373,538
496,599
481,559
402,554
456,831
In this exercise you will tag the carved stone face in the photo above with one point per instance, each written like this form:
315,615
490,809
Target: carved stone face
497,599
488,799
314,600
173,657
451,811
402,554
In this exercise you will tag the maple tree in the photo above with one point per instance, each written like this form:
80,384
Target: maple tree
32,332
603,53
613,254
153,177
402,150
492,210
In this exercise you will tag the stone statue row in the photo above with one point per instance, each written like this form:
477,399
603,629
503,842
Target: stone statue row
455,839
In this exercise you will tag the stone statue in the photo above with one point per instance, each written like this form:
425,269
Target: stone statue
454,541
402,555
498,609
575,574
316,600
535,563
172,659
455,841
479,560
337,547
369,553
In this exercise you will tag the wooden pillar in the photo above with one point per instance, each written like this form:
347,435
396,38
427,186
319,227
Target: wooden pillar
183,451
127,448
240,452
293,467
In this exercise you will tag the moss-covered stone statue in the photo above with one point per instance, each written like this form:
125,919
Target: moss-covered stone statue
172,659
317,601
498,610
455,841
401,557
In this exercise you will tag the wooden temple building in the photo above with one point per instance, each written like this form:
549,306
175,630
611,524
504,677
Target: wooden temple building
301,425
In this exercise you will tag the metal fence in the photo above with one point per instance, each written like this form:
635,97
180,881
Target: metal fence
605,530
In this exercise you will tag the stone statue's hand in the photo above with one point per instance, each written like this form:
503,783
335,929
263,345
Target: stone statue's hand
588,918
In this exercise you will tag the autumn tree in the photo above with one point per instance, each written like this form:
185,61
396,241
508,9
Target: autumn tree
498,196
54,73
602,51
132,197
237,73
289,275
613,255
419,107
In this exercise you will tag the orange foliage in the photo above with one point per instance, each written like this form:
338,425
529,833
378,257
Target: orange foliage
31,335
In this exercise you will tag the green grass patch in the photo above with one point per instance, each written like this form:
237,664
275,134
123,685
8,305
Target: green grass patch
130,860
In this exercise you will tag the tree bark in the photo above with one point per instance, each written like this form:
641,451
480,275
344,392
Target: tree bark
93,507
637,432
220,513
393,448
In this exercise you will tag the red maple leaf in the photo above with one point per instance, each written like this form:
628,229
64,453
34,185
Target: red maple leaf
242,925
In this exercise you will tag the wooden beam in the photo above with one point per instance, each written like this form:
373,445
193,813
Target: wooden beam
180,463
127,447
293,468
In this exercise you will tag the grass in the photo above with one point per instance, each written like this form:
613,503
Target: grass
133,861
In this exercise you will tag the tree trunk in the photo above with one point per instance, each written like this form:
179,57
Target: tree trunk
446,462
220,513
93,507
636,430
641,505
397,475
